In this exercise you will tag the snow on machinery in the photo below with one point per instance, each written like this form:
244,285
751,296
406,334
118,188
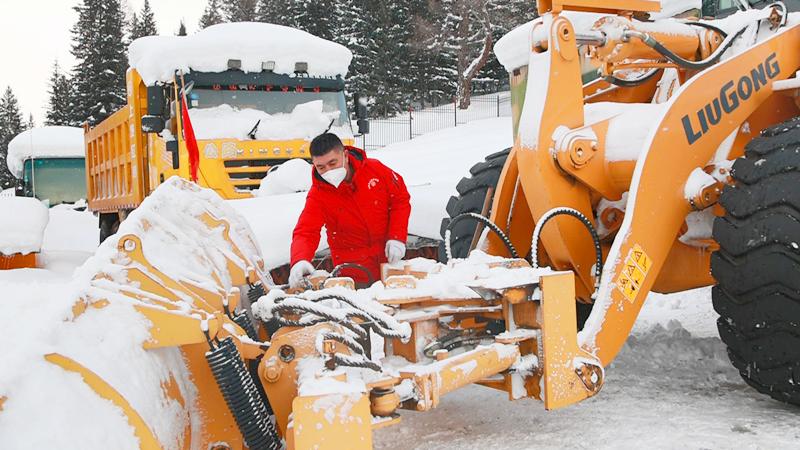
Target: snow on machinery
256,93
335,363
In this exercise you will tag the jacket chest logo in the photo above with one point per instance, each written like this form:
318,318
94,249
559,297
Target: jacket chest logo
372,183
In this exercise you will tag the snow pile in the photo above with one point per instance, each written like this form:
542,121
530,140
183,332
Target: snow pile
288,178
44,142
431,164
306,121
22,224
157,58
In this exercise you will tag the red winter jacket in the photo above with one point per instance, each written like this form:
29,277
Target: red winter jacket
359,216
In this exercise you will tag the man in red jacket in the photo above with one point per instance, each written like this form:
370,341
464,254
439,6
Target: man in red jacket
363,205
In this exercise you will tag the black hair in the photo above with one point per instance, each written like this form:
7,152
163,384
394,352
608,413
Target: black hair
324,143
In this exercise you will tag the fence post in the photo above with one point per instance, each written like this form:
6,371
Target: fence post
455,111
410,127
498,105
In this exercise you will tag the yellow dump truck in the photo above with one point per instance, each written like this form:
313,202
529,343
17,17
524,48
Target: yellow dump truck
256,95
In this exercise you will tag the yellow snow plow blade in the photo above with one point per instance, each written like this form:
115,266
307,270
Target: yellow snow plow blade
179,260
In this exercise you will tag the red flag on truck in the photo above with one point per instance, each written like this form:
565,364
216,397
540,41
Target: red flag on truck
191,141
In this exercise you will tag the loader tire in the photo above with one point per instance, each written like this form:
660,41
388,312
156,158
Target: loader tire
757,267
109,224
471,195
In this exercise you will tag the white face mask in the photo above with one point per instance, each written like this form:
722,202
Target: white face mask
335,176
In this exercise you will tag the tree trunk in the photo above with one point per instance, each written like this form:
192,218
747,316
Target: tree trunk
464,90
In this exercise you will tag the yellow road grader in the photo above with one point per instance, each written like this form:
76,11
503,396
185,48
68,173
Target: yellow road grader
609,193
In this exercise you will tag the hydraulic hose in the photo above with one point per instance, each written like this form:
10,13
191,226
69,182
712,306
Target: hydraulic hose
632,83
685,63
470,215
359,267
537,231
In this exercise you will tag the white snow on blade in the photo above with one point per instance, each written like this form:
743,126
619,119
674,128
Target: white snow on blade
157,58
288,178
44,142
431,165
22,224
306,121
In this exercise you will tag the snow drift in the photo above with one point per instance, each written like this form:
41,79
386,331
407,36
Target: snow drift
22,224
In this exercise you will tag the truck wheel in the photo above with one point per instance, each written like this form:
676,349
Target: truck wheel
109,224
757,267
471,195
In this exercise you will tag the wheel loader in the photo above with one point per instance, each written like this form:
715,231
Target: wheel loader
609,193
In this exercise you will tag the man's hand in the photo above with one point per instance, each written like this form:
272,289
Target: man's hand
299,270
395,251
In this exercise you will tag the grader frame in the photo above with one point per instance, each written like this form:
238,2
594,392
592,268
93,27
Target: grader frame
557,162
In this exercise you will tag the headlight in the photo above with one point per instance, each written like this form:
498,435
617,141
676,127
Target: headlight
210,151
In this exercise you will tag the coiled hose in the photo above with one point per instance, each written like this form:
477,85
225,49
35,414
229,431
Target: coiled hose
561,211
471,215
242,396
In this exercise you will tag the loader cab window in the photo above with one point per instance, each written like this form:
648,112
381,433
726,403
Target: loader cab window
57,180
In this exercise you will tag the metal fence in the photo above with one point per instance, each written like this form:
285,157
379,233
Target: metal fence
411,124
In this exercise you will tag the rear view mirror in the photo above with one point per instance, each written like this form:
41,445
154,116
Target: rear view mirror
156,101
363,126
152,124
360,104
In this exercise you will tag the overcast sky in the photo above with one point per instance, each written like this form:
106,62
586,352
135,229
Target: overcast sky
34,33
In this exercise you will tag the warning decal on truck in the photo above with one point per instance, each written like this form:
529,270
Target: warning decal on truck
637,264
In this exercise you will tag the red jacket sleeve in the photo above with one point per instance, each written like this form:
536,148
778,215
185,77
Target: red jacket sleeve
399,204
305,238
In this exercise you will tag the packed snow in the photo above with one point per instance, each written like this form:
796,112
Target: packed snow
44,142
288,178
306,121
22,221
157,58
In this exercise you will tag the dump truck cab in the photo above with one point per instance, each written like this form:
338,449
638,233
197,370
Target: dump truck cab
48,163
245,124
256,95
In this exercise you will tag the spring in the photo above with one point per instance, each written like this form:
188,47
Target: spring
242,396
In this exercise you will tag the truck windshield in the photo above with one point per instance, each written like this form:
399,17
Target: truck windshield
57,180
270,102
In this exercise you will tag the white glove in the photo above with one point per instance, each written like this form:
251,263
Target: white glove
395,251
299,270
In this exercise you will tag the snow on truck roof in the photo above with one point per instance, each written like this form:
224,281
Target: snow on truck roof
44,142
157,58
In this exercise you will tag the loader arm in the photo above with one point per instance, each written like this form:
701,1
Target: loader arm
691,130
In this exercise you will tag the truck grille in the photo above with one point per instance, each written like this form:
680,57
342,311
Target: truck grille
246,174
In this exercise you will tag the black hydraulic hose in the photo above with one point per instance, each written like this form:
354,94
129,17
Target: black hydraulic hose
359,267
448,232
621,82
685,63
708,26
598,268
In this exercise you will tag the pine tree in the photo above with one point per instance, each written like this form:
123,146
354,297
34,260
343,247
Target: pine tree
181,29
144,23
31,123
10,126
211,15
59,104
98,46
274,11
239,10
